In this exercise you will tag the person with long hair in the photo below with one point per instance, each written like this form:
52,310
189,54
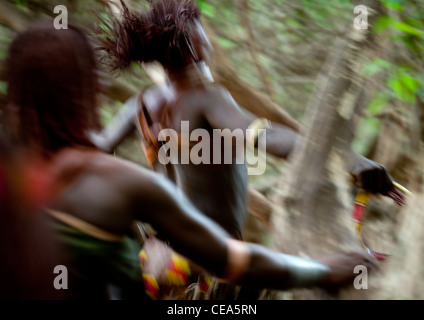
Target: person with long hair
52,109
170,32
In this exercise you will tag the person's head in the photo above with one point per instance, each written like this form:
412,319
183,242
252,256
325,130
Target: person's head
52,87
170,32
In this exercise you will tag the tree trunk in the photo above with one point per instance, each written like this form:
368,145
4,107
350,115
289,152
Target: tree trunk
251,41
316,217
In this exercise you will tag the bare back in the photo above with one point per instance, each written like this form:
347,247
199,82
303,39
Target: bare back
218,190
98,195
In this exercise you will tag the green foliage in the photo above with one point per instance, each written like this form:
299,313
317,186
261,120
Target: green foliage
226,43
106,18
5,41
367,132
382,24
206,8
404,85
293,23
375,66
394,6
108,111
406,28
379,102
404,80
3,87
385,22
325,15
21,4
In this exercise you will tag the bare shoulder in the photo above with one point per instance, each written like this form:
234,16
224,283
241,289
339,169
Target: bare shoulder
221,97
137,182
96,163
218,89
156,96
112,167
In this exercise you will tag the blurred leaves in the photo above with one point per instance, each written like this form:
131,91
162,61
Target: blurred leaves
404,85
21,4
378,104
3,87
411,27
206,8
367,132
394,4
375,66
5,41
226,43
107,112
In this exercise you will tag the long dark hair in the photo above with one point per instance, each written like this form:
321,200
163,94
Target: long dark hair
52,87
161,34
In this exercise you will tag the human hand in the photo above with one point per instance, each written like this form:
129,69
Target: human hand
371,176
342,267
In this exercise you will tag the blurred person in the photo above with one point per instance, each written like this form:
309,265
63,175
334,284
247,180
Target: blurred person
51,109
171,33
27,246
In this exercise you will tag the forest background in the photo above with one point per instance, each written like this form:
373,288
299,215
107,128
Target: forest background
304,64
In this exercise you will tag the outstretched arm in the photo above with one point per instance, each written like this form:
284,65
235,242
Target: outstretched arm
201,240
223,112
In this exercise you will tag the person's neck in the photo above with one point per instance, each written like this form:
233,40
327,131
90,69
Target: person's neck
194,75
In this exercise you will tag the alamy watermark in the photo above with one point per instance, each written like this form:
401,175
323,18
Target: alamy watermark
60,21
361,20
361,281
221,147
200,153
60,282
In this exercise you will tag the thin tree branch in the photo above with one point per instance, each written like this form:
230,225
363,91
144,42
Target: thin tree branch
245,21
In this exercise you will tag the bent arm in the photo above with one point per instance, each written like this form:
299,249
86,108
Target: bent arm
225,113
122,126
280,141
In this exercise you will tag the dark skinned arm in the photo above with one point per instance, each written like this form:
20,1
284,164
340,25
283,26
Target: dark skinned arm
223,112
200,239
122,126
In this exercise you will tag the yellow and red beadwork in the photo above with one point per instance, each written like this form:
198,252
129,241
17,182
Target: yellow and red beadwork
178,272
151,286
397,193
